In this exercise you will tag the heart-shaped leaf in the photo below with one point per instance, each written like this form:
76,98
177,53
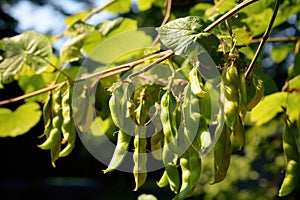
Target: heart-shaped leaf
20,121
28,48
185,36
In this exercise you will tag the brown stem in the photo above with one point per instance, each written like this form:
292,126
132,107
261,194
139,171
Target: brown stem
97,10
90,14
229,14
103,74
285,39
263,39
167,16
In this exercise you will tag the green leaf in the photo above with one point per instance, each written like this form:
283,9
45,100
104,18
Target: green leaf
121,6
20,121
30,82
292,106
259,21
76,17
294,83
279,53
94,38
145,4
267,108
106,26
184,35
123,46
28,48
294,70
200,9
79,27
125,24
242,35
71,50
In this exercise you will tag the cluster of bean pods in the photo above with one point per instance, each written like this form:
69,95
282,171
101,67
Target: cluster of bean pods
59,125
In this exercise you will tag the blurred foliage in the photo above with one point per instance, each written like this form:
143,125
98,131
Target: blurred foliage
256,171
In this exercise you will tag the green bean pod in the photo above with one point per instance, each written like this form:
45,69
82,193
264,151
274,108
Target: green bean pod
157,145
139,159
123,142
196,82
190,164
239,132
68,126
191,118
118,105
291,151
140,143
56,146
173,177
222,154
67,113
47,109
163,181
258,84
168,120
53,130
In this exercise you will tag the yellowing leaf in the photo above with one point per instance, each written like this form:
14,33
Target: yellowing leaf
20,121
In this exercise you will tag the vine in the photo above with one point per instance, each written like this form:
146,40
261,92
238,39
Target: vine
190,92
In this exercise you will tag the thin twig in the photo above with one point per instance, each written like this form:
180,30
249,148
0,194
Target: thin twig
102,74
228,14
148,67
166,18
89,15
274,40
263,39
37,92
97,10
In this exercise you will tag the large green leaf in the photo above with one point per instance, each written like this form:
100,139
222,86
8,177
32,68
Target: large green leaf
118,25
185,36
259,14
267,108
20,121
28,48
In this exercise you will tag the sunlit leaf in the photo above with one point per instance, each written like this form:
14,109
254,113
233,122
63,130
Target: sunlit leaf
76,17
294,70
20,121
79,27
267,108
200,9
294,83
185,36
30,82
94,38
293,110
71,50
279,53
122,6
129,42
242,35
28,48
125,25
145,4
